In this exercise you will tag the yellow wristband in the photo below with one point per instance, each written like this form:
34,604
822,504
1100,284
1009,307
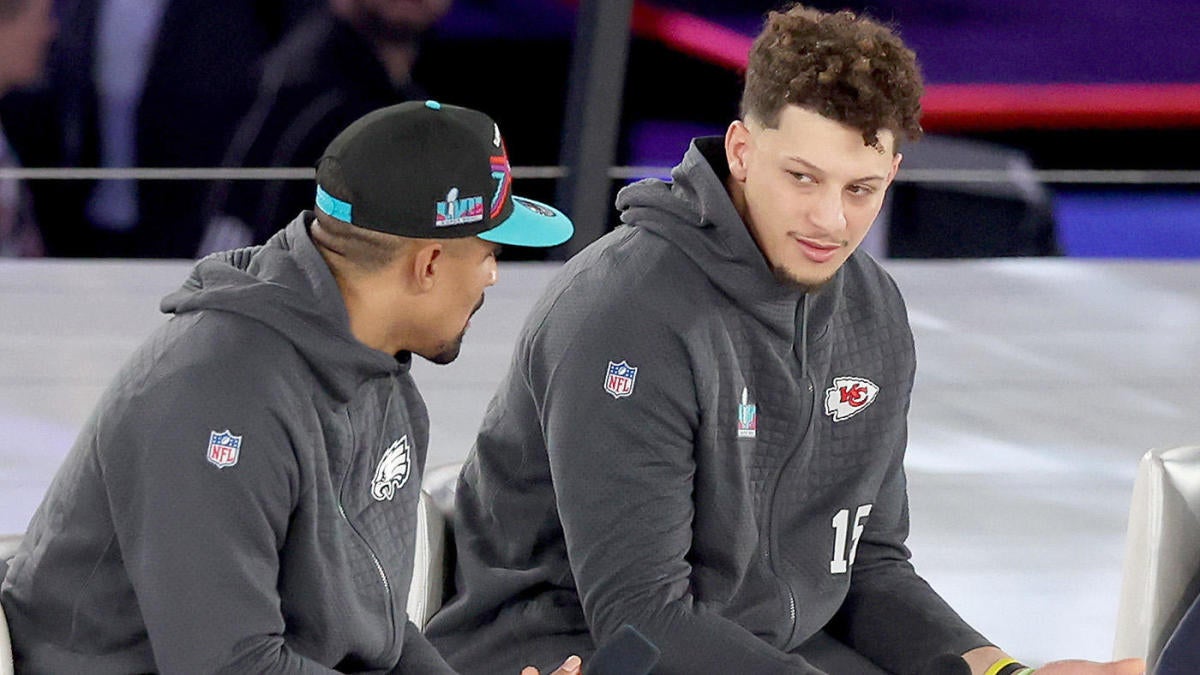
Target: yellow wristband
999,665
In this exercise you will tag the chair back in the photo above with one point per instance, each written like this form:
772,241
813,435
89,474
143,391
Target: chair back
429,571
1161,575
8,548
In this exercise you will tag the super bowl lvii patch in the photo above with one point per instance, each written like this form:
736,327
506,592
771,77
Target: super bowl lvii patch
747,422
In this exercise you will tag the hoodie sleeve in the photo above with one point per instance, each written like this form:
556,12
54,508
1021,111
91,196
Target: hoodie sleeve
622,465
201,541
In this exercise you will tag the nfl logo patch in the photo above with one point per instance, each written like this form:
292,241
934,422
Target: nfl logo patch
620,379
223,448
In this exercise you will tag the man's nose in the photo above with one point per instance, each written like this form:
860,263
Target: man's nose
829,213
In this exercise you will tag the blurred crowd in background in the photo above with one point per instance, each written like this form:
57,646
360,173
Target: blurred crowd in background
267,83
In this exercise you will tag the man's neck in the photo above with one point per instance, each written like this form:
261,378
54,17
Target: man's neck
365,309
737,195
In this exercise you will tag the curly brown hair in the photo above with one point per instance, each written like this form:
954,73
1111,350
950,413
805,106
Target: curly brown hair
843,66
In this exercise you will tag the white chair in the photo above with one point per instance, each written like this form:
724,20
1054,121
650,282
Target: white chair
1161,576
441,482
429,571
433,559
8,547
6,655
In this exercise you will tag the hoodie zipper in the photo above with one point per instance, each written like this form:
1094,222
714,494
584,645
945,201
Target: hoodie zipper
802,308
387,585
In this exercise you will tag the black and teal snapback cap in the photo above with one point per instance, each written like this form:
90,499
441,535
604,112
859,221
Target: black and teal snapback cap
431,171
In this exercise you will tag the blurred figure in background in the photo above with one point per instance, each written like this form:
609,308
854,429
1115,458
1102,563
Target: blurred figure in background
331,69
26,28
147,83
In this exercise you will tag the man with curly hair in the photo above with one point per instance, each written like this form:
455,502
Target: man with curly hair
703,429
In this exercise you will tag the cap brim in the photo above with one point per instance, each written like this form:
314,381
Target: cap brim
531,224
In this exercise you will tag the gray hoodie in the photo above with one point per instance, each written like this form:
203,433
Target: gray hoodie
739,491
242,499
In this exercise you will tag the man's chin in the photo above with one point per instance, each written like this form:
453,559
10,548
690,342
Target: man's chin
446,353
806,284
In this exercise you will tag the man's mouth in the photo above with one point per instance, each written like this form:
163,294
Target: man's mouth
818,251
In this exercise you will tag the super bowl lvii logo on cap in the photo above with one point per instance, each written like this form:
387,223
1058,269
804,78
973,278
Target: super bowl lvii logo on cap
425,170
455,211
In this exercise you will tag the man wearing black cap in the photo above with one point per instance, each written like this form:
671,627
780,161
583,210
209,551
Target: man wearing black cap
244,497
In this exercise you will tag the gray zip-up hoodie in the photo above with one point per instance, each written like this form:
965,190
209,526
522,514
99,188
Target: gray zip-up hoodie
243,499
687,445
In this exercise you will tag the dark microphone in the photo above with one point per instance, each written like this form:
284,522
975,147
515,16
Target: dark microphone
947,664
627,652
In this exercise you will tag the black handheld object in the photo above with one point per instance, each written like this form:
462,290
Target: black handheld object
627,652
947,664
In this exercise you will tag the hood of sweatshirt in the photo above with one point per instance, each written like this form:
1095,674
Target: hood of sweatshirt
286,285
694,213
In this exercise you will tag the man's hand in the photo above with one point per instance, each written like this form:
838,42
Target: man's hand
1077,667
981,658
572,664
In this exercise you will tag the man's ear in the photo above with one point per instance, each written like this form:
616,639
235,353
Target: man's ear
424,265
895,167
737,145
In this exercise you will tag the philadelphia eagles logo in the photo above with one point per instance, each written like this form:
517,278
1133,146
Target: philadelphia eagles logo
392,472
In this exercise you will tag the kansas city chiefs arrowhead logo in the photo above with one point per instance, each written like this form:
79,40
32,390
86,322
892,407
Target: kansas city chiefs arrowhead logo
849,396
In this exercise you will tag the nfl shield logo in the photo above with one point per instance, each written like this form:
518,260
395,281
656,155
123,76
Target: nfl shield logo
223,448
619,381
